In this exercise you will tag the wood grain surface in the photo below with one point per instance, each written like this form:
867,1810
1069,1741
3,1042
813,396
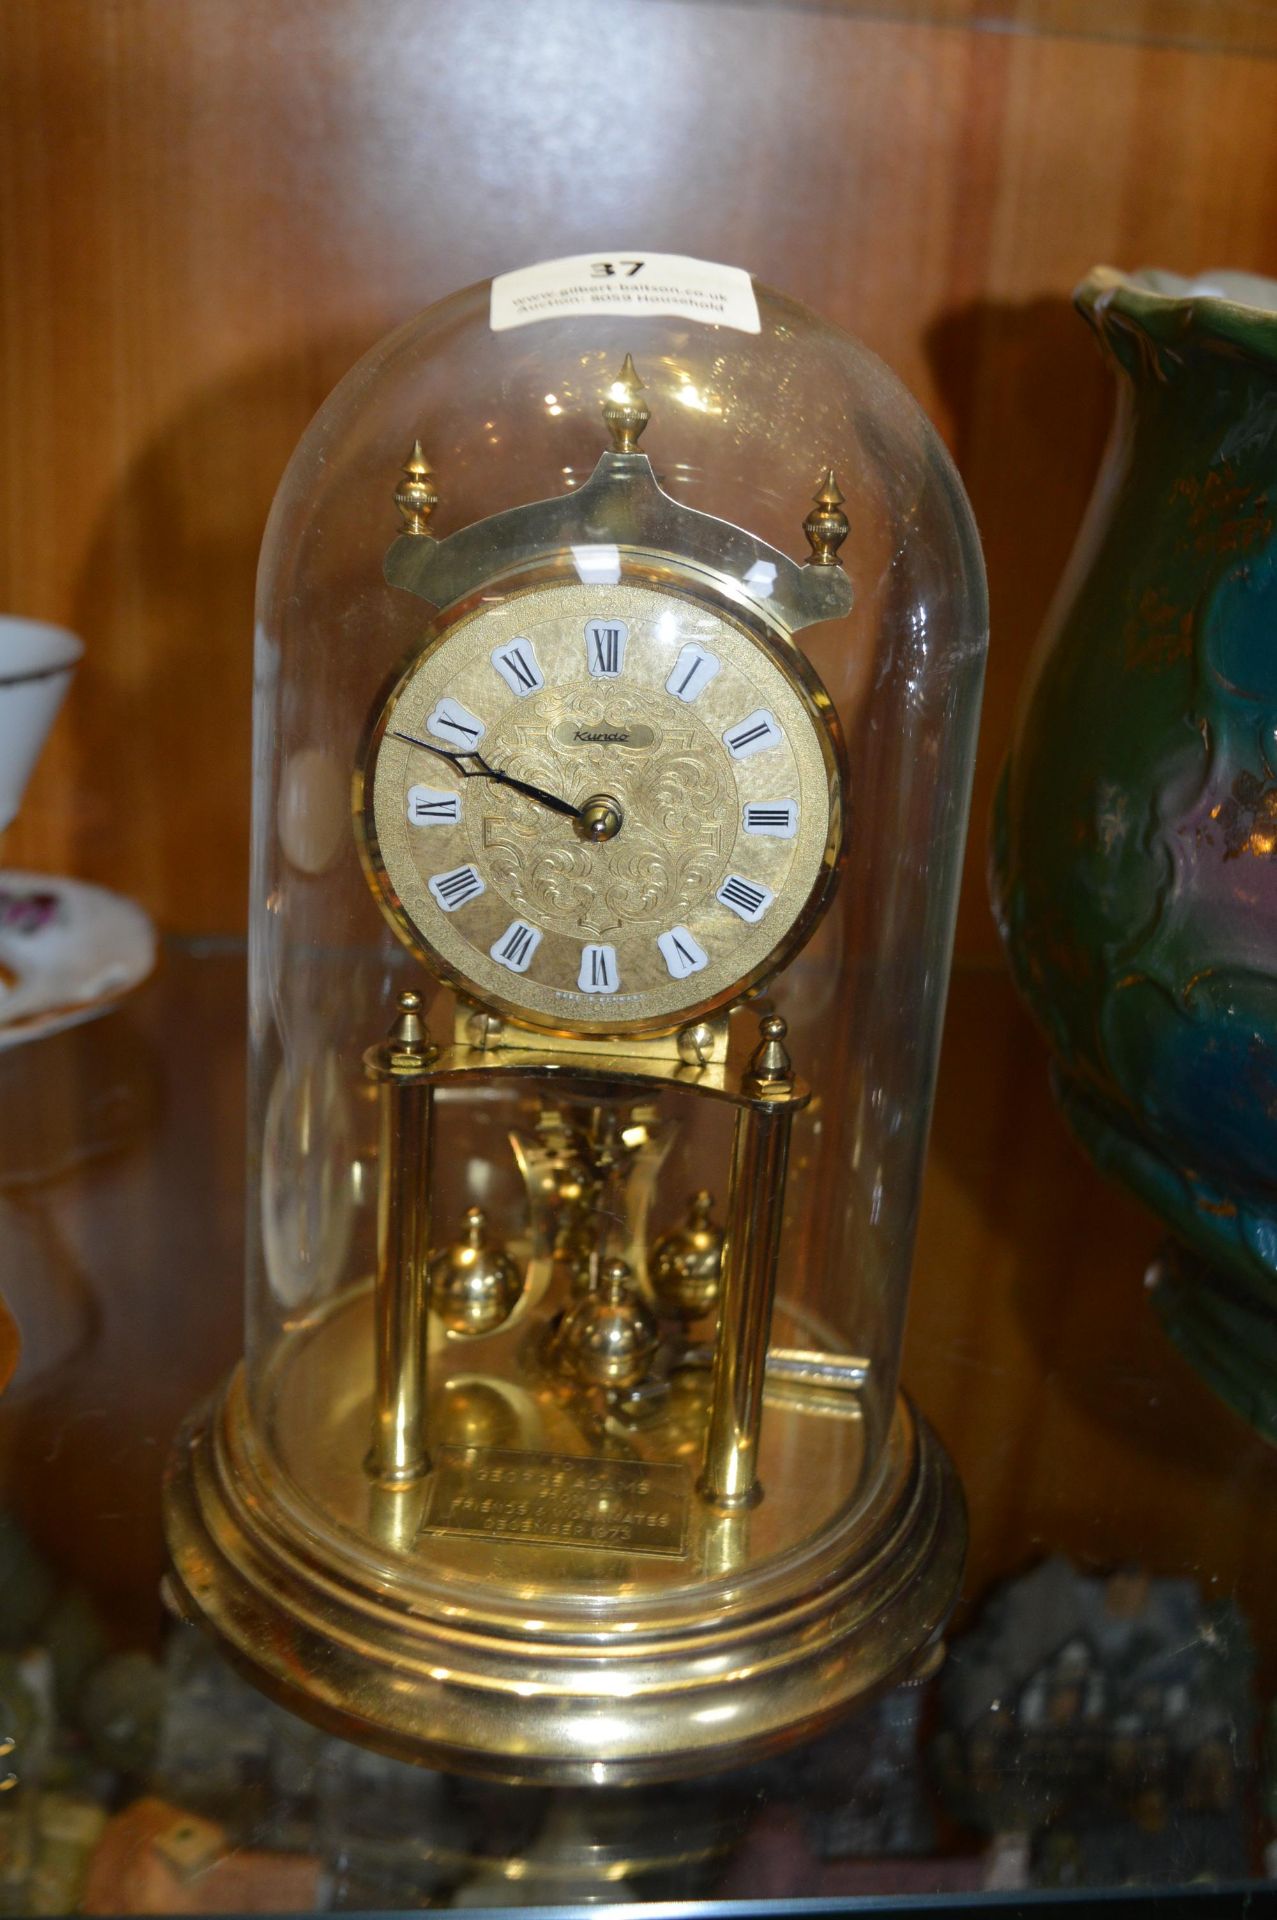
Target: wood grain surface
1033,1348
212,207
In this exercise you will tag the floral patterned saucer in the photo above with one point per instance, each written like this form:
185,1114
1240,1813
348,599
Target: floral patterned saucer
68,952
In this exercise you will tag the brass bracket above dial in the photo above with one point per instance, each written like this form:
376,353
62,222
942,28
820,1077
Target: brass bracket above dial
621,506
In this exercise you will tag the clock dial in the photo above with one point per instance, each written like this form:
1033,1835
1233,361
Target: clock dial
665,828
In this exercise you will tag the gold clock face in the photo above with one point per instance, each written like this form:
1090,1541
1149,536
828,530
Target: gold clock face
701,757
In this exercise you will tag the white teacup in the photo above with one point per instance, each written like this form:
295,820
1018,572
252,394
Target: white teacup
36,664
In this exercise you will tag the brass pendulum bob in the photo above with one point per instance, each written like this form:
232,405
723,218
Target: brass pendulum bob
687,1263
474,1284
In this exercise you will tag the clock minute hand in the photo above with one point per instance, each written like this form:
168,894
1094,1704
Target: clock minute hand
483,770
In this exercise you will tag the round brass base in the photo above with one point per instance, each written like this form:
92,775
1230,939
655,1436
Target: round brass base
341,1636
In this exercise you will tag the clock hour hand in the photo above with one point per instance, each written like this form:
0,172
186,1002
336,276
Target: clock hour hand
480,769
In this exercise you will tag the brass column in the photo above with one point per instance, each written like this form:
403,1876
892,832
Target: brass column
760,1159
400,1069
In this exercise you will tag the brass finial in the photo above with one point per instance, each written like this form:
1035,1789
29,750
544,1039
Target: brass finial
699,1208
826,526
408,1047
624,414
408,1029
416,496
614,1281
407,1053
771,1065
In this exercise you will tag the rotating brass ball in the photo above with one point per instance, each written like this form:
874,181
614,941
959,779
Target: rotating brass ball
609,1337
474,1284
687,1263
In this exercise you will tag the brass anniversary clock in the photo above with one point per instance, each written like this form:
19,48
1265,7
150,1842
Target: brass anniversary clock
568,1444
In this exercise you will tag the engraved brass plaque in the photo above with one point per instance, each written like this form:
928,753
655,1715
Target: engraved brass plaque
622,1506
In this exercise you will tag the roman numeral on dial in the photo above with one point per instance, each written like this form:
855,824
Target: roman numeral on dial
693,671
452,722
778,819
433,807
516,946
748,898
453,889
754,734
517,665
598,970
605,647
681,954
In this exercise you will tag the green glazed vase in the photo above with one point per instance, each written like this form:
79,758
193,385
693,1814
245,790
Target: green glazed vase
1134,856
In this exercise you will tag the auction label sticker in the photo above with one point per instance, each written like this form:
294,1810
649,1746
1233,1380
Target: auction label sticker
625,284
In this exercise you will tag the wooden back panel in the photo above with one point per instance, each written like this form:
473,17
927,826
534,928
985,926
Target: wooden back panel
212,208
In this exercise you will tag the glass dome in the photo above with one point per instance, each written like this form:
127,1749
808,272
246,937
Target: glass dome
526,1471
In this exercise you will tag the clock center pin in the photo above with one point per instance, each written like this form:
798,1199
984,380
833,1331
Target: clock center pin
600,818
